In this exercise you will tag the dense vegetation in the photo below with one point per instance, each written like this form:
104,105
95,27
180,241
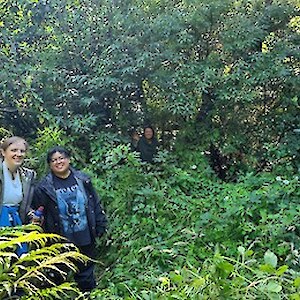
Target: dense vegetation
218,75
217,215
177,232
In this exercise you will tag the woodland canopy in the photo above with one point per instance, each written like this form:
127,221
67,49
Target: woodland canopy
217,76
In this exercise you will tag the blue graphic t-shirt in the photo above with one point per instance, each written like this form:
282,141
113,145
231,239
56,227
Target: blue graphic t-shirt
71,203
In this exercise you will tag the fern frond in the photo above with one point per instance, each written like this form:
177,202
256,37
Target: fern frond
51,250
35,238
51,263
48,253
61,291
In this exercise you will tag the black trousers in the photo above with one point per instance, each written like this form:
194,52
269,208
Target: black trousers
85,276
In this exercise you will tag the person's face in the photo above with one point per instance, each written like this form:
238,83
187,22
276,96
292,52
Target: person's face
59,164
14,155
148,133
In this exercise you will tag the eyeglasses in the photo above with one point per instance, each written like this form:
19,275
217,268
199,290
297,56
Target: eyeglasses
57,160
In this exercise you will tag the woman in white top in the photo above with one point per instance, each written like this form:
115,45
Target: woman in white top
16,184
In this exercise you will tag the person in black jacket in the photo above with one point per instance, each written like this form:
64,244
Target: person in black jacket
72,209
147,145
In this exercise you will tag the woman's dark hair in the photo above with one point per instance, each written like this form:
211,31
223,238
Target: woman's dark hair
148,126
55,149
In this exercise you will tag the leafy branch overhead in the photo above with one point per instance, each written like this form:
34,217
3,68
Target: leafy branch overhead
227,71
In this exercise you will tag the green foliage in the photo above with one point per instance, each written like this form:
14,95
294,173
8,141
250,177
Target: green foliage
225,278
172,218
225,70
29,276
47,138
52,136
4,133
108,150
219,80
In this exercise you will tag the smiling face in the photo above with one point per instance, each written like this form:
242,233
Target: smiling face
14,155
148,133
60,165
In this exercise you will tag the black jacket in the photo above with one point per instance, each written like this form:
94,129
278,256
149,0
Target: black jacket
146,149
45,195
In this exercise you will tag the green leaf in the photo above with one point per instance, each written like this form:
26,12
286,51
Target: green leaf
297,282
267,268
270,258
226,268
176,277
281,270
295,296
274,287
197,283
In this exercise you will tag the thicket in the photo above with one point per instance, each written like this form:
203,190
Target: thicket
217,217
178,232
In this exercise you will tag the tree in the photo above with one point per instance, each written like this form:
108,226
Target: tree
221,73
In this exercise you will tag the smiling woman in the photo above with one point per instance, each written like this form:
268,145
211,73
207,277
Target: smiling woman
72,209
16,185
59,162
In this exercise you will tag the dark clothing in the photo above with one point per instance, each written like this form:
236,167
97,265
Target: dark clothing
133,145
46,195
85,277
147,149
71,204
63,183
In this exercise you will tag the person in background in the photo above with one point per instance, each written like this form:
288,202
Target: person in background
72,209
16,185
148,145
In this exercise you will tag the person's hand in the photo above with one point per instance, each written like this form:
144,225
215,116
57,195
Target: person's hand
37,220
135,137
